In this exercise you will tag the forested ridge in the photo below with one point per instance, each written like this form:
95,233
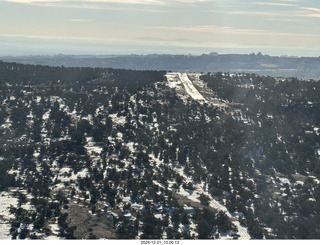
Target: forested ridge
111,153
262,64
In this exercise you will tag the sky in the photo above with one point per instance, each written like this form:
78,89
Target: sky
101,27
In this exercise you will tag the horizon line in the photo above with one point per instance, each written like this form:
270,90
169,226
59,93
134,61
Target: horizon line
213,53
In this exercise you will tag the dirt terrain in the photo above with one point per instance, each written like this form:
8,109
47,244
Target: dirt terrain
89,225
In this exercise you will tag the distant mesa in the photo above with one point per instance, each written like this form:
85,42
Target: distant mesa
214,54
258,63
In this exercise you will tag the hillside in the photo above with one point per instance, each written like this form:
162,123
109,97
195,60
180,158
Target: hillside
92,153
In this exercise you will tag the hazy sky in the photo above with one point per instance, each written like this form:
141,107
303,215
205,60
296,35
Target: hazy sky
273,27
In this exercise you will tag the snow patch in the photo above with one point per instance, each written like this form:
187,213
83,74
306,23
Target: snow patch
6,201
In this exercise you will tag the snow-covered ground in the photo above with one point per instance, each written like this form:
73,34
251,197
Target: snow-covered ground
189,87
180,82
184,84
195,194
55,231
175,80
6,200
92,148
121,120
199,189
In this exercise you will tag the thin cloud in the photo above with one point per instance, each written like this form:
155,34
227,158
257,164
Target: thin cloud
267,13
169,40
303,12
289,0
48,37
315,11
146,2
309,12
288,14
287,20
80,20
232,31
74,2
275,4
116,5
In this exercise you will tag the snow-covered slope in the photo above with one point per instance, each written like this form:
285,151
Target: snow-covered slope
191,90
179,80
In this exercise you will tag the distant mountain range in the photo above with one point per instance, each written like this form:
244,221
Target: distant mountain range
283,66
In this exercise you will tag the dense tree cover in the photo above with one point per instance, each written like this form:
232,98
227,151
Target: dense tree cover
124,145
280,138
285,114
